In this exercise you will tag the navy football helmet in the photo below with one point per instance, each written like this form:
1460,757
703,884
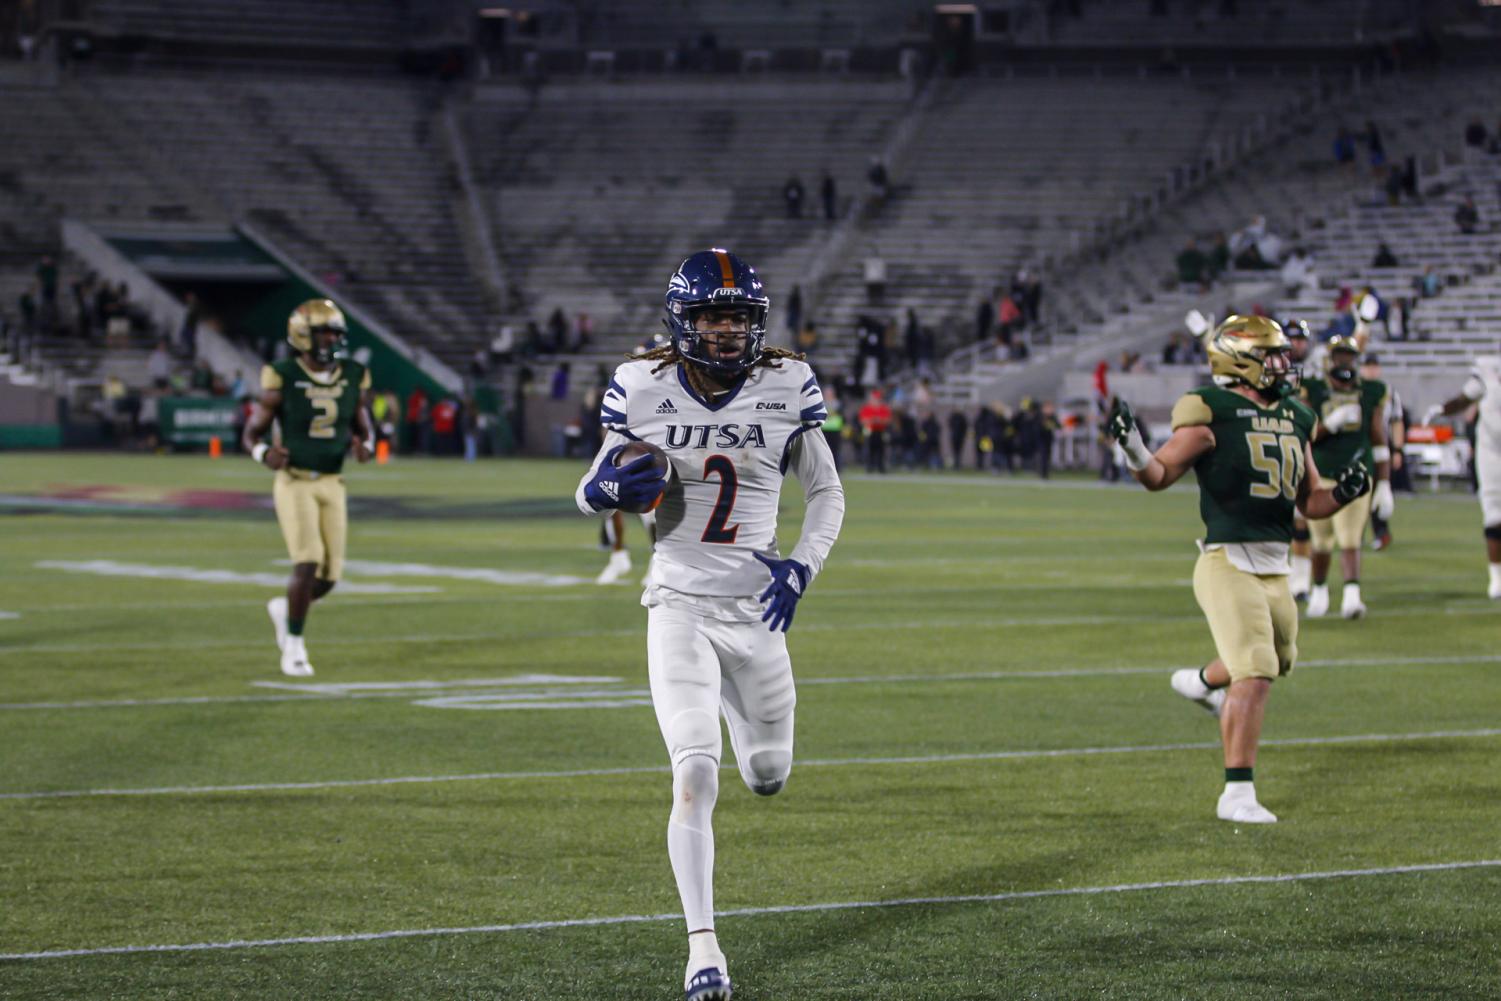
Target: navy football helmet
714,279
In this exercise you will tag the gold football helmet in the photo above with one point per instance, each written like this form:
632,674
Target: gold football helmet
310,317
1345,367
1248,349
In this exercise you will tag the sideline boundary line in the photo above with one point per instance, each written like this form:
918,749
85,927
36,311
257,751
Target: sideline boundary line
927,759
751,912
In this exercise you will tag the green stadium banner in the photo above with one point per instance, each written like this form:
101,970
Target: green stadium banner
193,420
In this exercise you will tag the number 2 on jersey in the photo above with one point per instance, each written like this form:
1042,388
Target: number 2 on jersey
1284,476
322,425
718,529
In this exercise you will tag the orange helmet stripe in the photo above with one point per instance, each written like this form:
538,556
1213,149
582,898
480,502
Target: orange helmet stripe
726,269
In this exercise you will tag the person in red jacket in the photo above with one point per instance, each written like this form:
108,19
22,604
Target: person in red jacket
875,418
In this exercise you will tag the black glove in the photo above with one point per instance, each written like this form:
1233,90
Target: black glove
1352,482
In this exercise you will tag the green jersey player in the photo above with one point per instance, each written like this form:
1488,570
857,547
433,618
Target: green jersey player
1352,428
1248,442
320,402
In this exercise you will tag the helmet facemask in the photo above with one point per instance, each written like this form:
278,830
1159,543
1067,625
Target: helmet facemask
721,336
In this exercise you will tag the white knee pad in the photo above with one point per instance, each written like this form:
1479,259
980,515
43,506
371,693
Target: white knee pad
693,731
695,789
765,771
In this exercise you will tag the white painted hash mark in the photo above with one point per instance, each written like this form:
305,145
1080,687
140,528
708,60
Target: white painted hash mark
930,759
755,912
115,568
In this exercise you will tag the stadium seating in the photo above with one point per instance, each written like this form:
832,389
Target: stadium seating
326,23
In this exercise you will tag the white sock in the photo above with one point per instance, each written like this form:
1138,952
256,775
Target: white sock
1495,574
294,646
703,950
1240,790
690,838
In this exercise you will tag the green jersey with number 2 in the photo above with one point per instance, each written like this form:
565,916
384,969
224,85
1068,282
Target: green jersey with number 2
1249,481
317,412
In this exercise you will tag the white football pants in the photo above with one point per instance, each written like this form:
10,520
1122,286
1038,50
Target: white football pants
702,666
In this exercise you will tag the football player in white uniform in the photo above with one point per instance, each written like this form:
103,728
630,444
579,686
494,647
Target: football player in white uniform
1483,387
733,417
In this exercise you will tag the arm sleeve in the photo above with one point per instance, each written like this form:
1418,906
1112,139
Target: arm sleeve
365,382
824,494
612,439
270,378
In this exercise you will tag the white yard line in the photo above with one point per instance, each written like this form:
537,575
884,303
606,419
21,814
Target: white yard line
928,759
971,624
756,912
317,692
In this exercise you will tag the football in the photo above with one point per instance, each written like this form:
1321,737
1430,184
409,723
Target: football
634,450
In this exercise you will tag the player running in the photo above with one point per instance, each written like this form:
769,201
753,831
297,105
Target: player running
321,403
1247,442
733,417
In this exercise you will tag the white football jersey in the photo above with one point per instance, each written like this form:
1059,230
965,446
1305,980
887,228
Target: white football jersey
728,462
1484,386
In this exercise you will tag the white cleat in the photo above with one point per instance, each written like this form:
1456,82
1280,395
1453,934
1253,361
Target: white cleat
711,983
1187,684
277,609
615,570
1352,607
1239,810
1318,602
1494,590
294,661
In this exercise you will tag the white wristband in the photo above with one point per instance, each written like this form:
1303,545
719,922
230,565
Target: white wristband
1381,453
258,453
1137,456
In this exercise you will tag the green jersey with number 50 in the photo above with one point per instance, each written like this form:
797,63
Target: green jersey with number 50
1249,481
317,410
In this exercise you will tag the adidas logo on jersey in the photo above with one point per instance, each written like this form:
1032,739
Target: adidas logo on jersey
666,407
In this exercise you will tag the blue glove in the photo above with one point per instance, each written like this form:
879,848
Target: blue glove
632,486
789,579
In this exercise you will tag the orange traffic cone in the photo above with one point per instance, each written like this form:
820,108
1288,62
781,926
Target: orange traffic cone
382,452
215,447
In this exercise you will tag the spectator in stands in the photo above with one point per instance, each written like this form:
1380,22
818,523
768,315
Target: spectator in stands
479,365
1344,146
202,379
1375,148
794,311
875,418
1297,271
1193,266
984,320
1048,427
583,332
503,344
1395,184
29,317
792,195
46,276
532,344
445,422
1011,320
1428,284
828,190
958,433
159,365
418,430
912,338
560,381
557,332
1384,257
1219,257
1466,217
1029,284
807,338
880,180
875,277
1475,134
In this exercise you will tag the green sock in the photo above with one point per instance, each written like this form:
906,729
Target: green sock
294,627
1237,775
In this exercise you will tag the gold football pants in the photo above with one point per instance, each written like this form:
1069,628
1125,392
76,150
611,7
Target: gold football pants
1346,528
313,519
1251,616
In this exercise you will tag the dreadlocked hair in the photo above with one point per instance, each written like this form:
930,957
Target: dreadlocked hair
668,355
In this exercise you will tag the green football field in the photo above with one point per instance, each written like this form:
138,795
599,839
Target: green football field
996,795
